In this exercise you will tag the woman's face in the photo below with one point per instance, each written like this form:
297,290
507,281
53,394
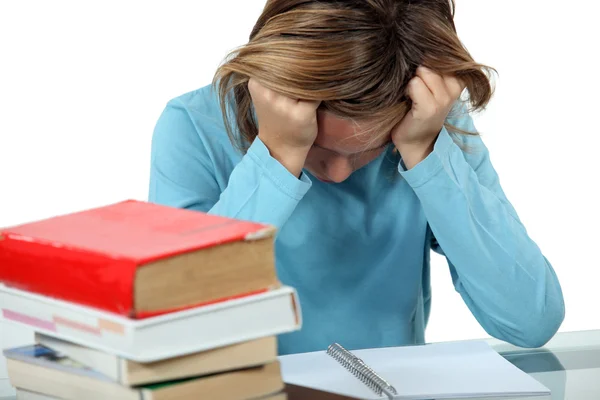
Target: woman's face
339,149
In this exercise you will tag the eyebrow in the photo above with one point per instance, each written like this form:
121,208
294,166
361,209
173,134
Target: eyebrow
362,151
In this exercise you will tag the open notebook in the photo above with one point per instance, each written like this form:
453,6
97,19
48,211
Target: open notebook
433,371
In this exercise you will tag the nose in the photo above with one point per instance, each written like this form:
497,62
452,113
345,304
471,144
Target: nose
338,169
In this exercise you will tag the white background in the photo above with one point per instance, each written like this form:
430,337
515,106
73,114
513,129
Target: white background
82,84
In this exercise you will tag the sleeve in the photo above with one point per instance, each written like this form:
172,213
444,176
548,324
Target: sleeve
184,171
501,274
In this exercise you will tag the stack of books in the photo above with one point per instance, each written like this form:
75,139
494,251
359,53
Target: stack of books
135,300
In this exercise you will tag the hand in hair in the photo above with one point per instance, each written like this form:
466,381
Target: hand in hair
288,127
432,98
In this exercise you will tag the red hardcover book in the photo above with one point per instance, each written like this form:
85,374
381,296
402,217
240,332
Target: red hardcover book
139,259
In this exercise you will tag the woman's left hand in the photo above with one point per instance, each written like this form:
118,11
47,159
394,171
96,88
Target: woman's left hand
432,98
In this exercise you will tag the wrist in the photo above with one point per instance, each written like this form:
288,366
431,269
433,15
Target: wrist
413,153
292,158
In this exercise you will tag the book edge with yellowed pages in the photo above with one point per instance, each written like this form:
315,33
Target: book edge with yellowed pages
41,370
127,372
140,249
248,383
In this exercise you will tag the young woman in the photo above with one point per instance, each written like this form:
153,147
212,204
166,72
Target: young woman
343,124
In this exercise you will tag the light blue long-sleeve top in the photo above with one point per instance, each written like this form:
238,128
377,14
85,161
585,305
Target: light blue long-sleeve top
358,251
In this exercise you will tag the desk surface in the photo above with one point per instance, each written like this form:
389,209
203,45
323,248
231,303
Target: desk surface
569,365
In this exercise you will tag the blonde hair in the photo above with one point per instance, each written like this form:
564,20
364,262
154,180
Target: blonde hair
356,56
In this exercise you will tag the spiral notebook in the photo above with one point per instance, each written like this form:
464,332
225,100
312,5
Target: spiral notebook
434,371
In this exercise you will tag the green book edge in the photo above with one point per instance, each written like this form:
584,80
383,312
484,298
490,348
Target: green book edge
160,385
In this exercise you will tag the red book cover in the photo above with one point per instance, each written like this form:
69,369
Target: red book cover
91,257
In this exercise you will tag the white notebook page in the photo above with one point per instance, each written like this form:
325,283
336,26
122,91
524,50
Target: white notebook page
441,370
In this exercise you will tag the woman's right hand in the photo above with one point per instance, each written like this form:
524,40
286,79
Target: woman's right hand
288,127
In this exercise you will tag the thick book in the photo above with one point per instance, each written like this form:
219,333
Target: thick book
161,337
126,372
139,259
41,370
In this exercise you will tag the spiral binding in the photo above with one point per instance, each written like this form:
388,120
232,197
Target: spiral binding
361,370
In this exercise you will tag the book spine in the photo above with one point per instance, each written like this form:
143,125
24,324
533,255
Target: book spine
76,275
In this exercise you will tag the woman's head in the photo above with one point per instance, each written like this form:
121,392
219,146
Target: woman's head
355,56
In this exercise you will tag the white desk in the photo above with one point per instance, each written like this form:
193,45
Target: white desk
569,365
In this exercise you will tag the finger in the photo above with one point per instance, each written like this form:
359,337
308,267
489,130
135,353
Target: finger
455,86
255,88
308,104
434,82
254,84
251,85
420,95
